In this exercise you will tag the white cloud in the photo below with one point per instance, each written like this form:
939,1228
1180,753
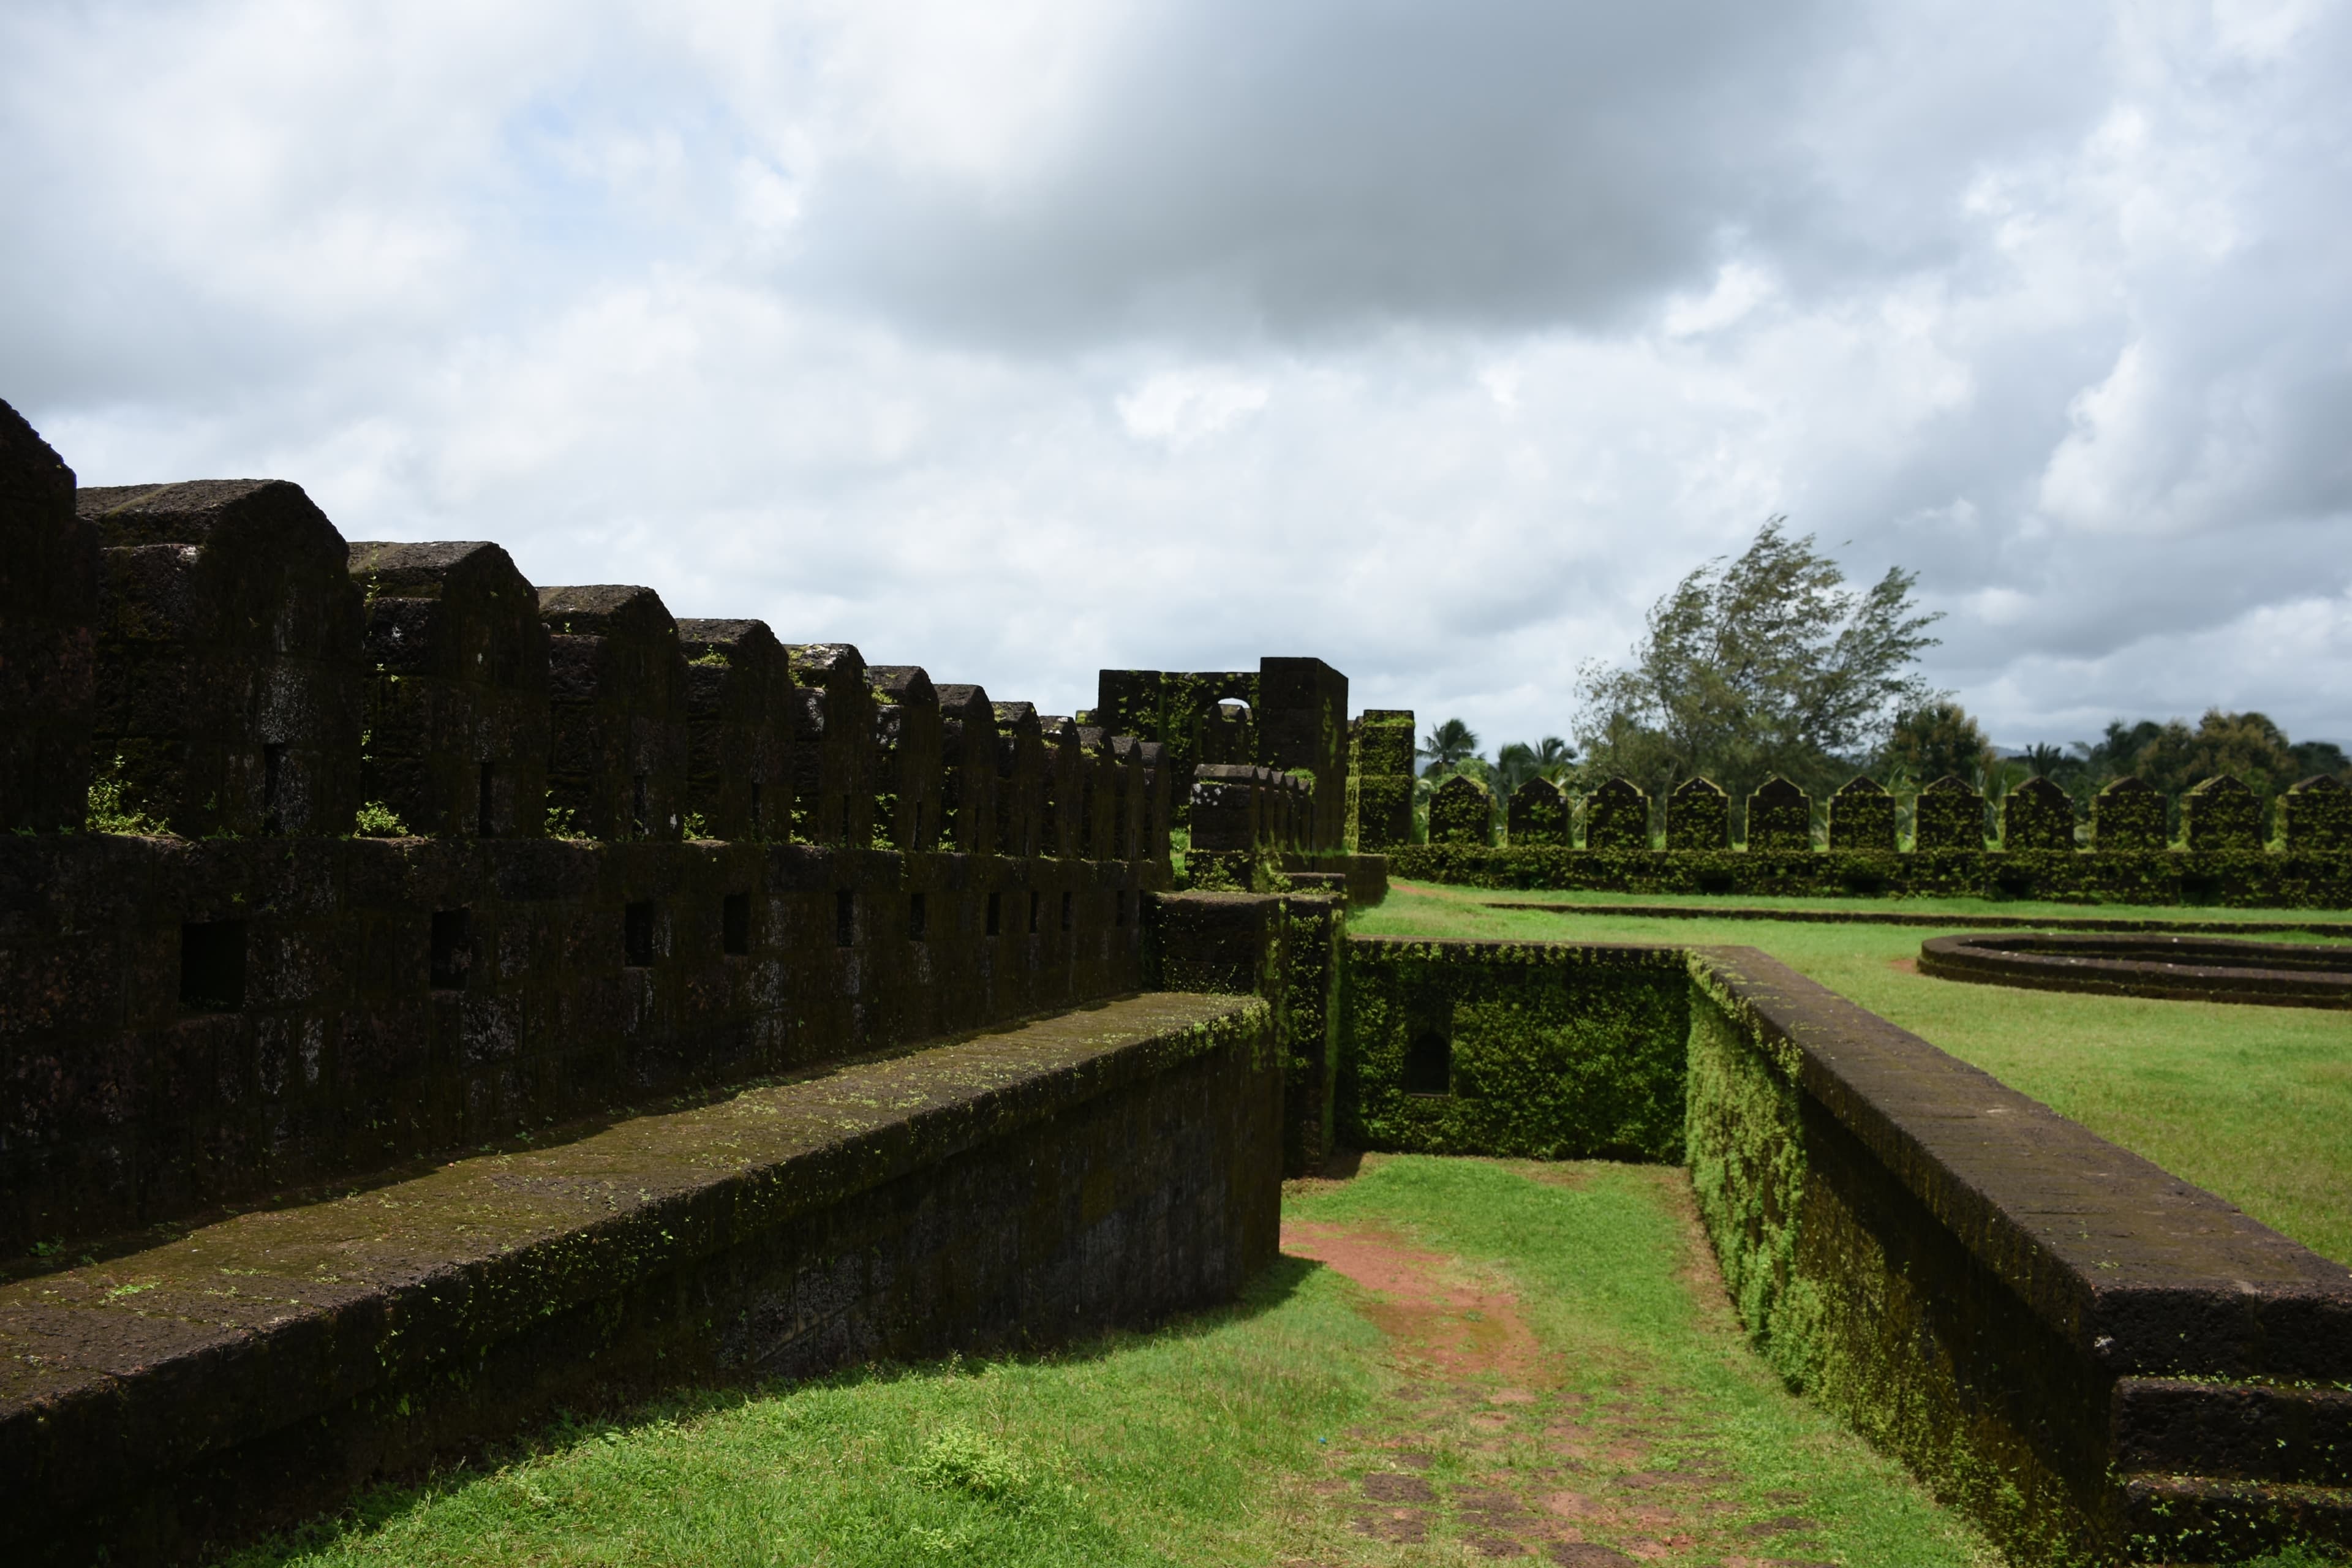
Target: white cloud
1181,407
1438,341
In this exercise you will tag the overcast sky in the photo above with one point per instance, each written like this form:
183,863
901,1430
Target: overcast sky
1434,337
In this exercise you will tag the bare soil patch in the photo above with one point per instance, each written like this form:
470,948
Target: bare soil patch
1485,1445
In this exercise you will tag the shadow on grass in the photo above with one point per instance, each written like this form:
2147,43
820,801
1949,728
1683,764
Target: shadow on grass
384,1502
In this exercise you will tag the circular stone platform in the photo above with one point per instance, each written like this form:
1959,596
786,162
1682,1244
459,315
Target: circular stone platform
2180,968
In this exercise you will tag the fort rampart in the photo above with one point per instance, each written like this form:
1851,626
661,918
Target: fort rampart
426,998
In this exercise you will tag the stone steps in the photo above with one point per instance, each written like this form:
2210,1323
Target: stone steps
260,1366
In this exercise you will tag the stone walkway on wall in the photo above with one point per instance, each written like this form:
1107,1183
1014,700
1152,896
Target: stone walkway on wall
1547,1473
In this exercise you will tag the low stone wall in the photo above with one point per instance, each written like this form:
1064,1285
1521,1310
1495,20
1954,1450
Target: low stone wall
2034,1320
1127,1157
2252,879
189,1022
2095,1358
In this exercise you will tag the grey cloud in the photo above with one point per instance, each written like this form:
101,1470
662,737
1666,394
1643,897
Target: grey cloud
1328,165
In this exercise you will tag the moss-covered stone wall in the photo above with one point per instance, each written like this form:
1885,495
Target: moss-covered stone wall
1536,1049
2250,877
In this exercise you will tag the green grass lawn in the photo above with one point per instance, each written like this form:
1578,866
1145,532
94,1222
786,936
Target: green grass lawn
1921,906
2254,1103
1241,1436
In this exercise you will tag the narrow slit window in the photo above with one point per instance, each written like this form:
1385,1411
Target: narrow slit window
995,913
453,949
273,787
212,966
1069,909
845,919
735,925
638,934
1122,906
915,913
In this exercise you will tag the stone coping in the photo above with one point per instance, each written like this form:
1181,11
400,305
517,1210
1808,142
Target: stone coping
2144,1273
131,1367
2173,968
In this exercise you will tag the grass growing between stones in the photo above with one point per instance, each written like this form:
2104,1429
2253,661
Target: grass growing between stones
2254,1103
1547,1367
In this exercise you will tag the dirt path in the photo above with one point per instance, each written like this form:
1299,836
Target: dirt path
1624,1476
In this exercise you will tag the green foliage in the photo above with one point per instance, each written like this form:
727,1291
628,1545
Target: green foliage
1549,758
559,821
1765,663
715,658
1558,1054
2223,879
694,826
1935,739
1448,746
960,1459
108,810
376,820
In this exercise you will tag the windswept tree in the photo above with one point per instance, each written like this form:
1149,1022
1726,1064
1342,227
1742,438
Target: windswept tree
1769,663
1935,739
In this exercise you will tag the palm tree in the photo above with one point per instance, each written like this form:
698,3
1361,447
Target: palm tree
1448,746
1554,757
2042,760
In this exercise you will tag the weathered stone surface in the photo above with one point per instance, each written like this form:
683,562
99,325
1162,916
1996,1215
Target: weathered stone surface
49,650
230,681
1020,780
1461,812
403,998
1698,815
2127,816
2018,1267
832,744
2315,816
906,757
1539,813
1861,816
618,720
2221,812
1780,817
2038,815
1617,817
967,770
458,697
741,706
1129,1154
1949,814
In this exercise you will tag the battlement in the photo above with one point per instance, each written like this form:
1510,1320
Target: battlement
399,853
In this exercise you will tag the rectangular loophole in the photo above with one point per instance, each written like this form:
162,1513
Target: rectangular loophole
845,919
453,948
995,913
915,923
273,787
638,934
1069,909
1122,906
212,966
735,925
